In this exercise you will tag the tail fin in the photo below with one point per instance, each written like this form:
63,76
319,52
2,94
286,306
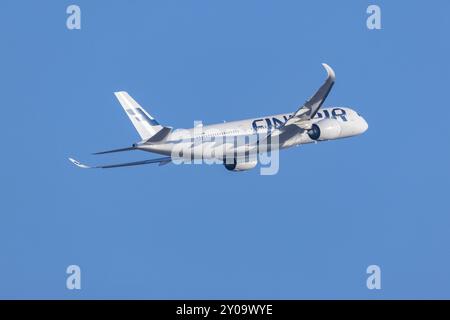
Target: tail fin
144,123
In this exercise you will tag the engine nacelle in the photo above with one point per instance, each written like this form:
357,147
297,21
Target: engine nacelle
326,129
240,166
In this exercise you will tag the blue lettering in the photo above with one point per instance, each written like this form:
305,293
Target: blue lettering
278,123
338,112
269,124
255,125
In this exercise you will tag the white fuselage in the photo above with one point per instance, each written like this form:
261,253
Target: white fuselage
340,123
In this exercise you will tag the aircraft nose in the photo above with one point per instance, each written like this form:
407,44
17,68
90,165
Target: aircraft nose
364,125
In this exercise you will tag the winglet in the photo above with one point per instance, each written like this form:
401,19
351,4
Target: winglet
330,71
161,161
79,164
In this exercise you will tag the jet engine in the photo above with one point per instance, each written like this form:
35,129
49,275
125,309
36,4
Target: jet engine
326,129
240,166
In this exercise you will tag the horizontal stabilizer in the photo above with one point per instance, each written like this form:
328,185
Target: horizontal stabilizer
115,150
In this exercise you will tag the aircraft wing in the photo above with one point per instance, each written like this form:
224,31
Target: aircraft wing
309,109
161,161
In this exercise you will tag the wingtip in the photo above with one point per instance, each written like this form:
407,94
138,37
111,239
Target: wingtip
117,93
329,70
79,164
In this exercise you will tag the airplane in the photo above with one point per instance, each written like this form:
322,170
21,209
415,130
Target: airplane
309,124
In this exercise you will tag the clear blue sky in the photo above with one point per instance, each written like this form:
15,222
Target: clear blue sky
200,231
